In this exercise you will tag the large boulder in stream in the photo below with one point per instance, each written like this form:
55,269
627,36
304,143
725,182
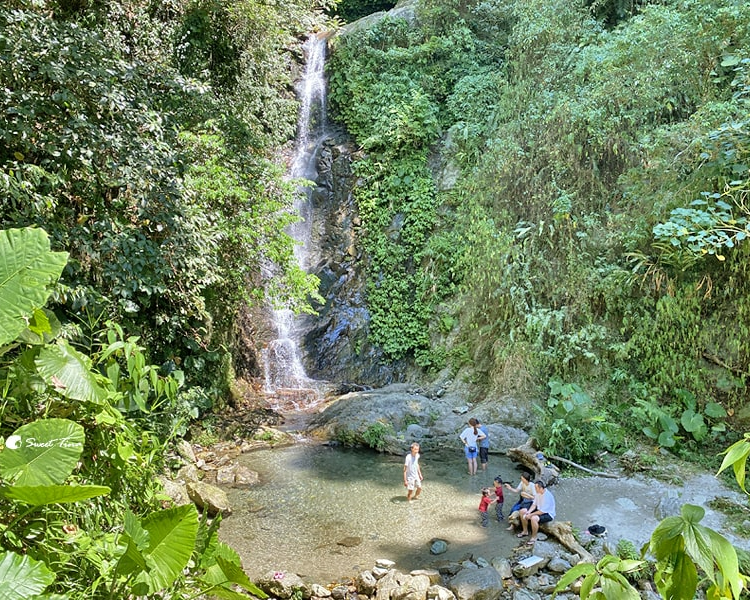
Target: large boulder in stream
439,419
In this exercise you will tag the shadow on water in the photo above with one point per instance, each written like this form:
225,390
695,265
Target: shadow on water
328,513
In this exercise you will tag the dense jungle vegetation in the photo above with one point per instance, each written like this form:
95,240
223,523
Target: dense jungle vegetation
591,250
143,205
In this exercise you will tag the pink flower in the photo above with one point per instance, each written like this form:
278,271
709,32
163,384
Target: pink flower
278,575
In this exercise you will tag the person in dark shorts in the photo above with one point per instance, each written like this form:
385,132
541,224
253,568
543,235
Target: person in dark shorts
542,510
483,445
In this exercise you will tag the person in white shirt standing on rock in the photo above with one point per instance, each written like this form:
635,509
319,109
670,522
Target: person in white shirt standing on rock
413,473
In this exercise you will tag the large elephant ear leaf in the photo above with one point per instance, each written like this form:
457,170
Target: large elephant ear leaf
22,577
172,535
44,452
69,372
27,268
40,495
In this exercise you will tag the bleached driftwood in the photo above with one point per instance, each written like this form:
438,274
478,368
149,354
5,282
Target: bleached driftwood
562,531
587,470
528,456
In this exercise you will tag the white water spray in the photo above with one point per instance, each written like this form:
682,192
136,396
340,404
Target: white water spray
285,377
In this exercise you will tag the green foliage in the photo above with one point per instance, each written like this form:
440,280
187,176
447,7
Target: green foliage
23,578
388,85
608,575
377,434
570,425
57,533
680,545
736,457
669,424
707,228
142,150
25,278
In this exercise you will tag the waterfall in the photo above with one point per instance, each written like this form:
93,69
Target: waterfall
285,377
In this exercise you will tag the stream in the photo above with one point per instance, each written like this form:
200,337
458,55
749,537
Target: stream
327,513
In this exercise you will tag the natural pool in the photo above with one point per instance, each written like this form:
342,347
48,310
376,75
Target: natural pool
311,497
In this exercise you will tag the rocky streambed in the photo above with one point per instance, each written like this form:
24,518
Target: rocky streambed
323,519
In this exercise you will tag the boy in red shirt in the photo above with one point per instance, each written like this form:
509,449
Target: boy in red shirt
499,498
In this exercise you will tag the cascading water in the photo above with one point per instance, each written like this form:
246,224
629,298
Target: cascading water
285,377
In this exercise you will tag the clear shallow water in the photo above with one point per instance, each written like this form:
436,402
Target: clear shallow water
312,496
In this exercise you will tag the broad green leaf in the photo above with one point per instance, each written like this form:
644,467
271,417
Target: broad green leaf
730,60
666,439
628,566
571,575
40,495
27,268
736,457
137,539
616,587
235,574
709,550
666,540
172,535
678,579
588,584
43,327
69,372
692,513
692,421
22,577
44,452
715,410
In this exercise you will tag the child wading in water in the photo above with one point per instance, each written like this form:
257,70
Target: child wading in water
484,504
499,498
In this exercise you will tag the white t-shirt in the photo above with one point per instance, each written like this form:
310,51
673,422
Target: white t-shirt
545,502
411,462
468,436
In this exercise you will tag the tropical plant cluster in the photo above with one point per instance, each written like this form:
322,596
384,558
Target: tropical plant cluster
141,136
592,250
84,436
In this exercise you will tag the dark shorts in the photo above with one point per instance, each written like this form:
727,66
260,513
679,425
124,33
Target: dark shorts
484,455
545,518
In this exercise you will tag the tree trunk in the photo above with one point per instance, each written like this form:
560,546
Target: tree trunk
534,461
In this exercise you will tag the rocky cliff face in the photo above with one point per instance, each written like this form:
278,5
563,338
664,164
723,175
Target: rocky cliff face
335,342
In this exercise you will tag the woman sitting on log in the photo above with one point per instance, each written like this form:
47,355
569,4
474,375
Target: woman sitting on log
526,490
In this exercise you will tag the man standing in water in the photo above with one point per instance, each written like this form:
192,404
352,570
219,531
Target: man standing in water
413,473
483,445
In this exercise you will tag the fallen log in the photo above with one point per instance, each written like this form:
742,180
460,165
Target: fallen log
562,531
587,470
534,461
